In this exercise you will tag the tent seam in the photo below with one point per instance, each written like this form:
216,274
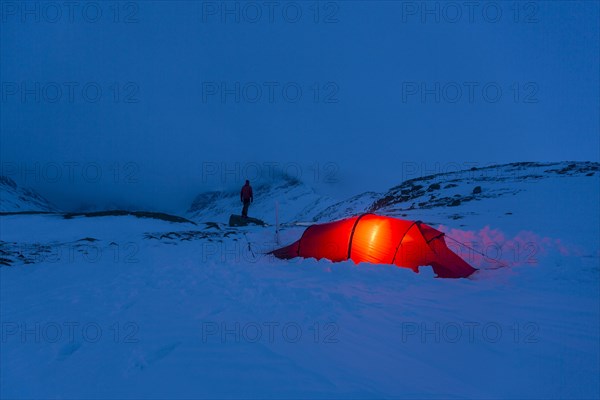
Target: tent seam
402,238
352,234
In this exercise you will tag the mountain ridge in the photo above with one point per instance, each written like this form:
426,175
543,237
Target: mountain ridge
298,202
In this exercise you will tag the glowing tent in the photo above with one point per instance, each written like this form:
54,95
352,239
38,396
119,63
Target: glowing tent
379,240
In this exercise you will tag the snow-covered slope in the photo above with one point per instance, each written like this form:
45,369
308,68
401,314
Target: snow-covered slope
295,202
127,307
551,201
17,199
433,199
449,190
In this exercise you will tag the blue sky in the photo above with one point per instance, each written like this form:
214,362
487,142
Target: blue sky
349,97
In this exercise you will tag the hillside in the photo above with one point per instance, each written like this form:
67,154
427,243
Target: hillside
17,199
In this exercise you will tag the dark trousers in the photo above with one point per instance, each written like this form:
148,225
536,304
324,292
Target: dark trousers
245,208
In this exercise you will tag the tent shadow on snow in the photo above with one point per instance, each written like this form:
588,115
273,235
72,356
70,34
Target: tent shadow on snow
379,240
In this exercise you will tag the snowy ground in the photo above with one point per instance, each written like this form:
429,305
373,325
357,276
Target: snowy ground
126,307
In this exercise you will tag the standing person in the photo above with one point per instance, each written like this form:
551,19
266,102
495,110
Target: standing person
246,197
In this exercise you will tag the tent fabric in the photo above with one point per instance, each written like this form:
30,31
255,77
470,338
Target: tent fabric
379,240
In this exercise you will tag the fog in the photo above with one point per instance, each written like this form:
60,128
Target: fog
146,104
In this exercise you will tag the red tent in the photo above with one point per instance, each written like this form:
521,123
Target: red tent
379,240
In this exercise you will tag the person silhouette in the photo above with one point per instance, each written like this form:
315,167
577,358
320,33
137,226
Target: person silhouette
246,197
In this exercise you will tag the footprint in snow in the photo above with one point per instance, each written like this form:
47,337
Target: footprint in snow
67,350
143,362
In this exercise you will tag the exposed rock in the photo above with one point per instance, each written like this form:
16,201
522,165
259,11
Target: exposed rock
454,203
238,220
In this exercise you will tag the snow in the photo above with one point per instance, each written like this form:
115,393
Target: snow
148,308
15,199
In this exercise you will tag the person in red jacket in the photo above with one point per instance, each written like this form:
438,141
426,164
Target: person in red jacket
246,197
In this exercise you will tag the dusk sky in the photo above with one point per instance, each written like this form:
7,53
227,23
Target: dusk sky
161,98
